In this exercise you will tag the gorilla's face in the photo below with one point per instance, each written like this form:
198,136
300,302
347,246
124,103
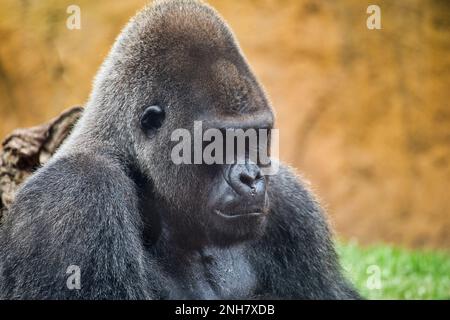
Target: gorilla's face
200,76
220,203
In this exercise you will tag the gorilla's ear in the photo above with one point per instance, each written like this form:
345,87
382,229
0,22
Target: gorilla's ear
152,118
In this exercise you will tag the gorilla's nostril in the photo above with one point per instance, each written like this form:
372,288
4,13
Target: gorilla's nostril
247,180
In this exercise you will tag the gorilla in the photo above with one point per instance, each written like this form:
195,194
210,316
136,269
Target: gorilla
112,203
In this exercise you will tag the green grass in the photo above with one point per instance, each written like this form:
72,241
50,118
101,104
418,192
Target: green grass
403,274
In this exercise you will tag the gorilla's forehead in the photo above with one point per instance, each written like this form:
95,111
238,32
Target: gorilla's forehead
184,35
186,45
191,20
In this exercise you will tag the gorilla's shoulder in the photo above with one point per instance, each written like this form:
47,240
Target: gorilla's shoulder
75,171
89,166
69,182
293,203
288,186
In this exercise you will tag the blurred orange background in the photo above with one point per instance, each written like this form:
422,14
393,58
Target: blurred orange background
363,114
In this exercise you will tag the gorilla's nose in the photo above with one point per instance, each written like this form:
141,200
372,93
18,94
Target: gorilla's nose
247,180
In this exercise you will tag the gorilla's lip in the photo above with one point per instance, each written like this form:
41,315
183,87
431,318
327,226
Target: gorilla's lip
240,215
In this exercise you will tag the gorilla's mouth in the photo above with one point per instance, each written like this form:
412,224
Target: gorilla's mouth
235,216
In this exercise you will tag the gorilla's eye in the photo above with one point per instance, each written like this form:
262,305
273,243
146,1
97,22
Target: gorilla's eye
152,118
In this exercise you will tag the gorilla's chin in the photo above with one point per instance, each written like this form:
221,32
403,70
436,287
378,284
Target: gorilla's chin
227,229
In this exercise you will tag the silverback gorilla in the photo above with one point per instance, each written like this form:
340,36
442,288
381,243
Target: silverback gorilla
113,203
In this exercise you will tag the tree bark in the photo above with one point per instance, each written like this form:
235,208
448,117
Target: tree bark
25,150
